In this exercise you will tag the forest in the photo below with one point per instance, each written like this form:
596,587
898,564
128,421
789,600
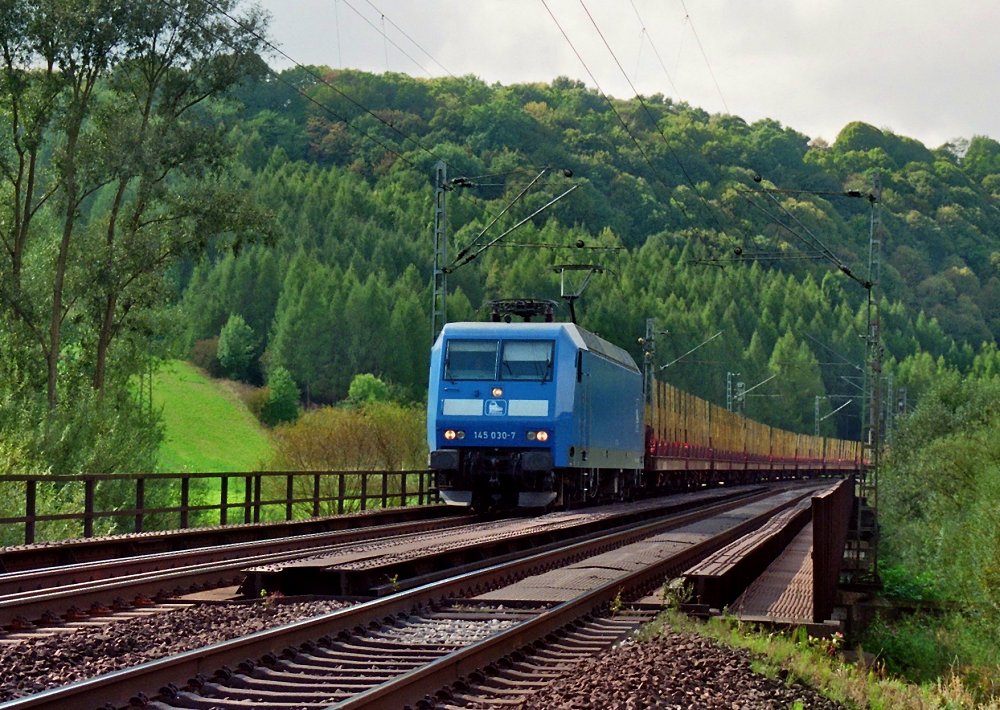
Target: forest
164,200
703,223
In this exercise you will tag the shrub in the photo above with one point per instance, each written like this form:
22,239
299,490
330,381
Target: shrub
366,388
282,403
255,398
204,354
939,509
383,436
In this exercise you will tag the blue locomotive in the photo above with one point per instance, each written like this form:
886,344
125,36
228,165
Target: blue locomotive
531,415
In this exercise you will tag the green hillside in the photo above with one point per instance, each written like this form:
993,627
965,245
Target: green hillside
703,223
207,427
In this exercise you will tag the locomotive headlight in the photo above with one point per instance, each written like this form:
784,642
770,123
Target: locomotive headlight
452,434
497,392
538,436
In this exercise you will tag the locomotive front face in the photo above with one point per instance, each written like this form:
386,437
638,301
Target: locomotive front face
491,414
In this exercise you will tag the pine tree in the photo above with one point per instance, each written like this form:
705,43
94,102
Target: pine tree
282,403
238,349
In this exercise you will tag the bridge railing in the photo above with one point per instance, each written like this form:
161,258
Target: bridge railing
67,506
831,514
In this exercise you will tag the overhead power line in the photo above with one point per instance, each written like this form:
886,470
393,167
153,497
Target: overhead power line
325,108
336,20
701,47
412,41
656,52
642,101
610,103
821,250
809,237
389,40
343,119
273,47
656,126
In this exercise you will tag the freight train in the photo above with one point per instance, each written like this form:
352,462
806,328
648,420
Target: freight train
537,415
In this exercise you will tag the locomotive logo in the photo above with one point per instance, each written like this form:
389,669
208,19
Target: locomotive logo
496,408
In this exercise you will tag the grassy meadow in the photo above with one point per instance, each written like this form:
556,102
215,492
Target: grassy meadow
207,426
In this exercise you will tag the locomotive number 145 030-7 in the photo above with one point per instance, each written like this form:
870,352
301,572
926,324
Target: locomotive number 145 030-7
494,435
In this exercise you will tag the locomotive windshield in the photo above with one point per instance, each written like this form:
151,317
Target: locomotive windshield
518,360
526,360
471,360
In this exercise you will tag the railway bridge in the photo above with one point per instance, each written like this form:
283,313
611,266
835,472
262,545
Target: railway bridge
360,589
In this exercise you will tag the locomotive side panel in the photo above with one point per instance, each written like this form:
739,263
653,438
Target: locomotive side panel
607,414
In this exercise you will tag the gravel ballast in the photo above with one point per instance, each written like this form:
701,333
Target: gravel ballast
32,666
674,670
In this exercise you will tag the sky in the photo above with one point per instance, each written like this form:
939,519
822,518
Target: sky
928,70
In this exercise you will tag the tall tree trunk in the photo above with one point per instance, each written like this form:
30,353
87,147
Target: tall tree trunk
58,285
104,340
62,261
106,331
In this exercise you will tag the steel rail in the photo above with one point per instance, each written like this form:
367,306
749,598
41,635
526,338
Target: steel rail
61,576
209,572
54,554
32,603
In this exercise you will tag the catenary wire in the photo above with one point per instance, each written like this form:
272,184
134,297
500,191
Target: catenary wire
610,103
386,38
382,144
652,119
326,108
656,52
412,41
273,47
701,47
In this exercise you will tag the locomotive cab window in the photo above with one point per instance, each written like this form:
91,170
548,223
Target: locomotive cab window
471,360
526,360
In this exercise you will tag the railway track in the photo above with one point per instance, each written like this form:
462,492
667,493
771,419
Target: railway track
104,587
23,558
408,553
508,607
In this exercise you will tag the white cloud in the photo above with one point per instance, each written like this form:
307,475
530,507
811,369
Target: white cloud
923,69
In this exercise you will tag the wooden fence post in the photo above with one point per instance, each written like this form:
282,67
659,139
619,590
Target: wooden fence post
185,500
140,502
223,499
256,498
88,507
30,511
247,498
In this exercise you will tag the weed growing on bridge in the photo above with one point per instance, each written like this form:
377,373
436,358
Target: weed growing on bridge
616,604
675,592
